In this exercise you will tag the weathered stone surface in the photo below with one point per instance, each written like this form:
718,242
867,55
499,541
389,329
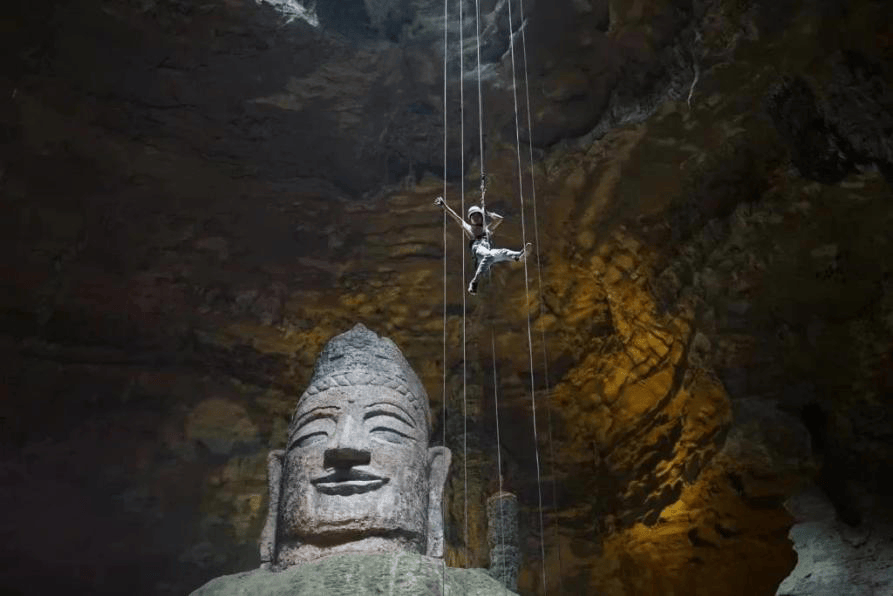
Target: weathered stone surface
502,538
399,574
220,426
818,151
196,196
834,558
357,476
357,472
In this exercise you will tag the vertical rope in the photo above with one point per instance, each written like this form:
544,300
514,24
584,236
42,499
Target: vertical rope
527,295
477,21
539,275
464,298
443,361
477,6
498,439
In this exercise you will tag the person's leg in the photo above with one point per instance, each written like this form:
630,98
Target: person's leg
504,254
486,256
524,252
500,255
483,258
484,262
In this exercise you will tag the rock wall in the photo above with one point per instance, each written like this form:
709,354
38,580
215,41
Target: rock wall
835,557
195,197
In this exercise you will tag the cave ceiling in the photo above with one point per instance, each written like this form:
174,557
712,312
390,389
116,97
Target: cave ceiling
196,195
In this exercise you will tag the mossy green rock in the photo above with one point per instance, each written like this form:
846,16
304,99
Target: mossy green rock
359,574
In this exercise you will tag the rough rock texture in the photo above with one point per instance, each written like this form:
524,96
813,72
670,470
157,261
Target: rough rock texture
359,574
834,557
195,196
357,472
502,538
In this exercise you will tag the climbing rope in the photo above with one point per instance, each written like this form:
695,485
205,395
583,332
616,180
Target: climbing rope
527,295
443,394
464,298
539,275
484,223
483,189
477,22
498,441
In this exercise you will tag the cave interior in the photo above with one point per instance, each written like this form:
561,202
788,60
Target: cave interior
694,373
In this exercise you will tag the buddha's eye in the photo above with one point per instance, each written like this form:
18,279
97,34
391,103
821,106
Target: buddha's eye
390,435
313,431
387,427
306,440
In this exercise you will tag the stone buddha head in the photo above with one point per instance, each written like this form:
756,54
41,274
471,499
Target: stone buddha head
357,473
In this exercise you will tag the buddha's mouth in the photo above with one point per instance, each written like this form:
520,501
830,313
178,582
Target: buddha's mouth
348,482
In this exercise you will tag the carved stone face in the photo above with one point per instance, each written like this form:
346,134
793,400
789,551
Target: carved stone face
357,465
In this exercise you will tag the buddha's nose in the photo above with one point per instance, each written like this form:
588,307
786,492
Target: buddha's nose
348,447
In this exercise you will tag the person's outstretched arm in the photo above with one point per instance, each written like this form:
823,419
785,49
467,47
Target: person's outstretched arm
458,219
493,220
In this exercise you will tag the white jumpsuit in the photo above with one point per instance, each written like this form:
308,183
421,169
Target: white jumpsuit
485,256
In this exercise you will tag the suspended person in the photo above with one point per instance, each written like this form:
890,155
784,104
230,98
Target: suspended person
484,255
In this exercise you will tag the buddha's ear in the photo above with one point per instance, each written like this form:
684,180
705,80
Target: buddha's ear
274,484
438,467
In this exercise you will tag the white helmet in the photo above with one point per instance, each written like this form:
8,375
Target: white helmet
475,209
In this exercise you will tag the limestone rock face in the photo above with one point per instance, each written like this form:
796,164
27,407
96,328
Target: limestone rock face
403,574
835,558
195,196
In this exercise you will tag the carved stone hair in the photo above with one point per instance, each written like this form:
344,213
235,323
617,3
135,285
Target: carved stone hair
361,357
